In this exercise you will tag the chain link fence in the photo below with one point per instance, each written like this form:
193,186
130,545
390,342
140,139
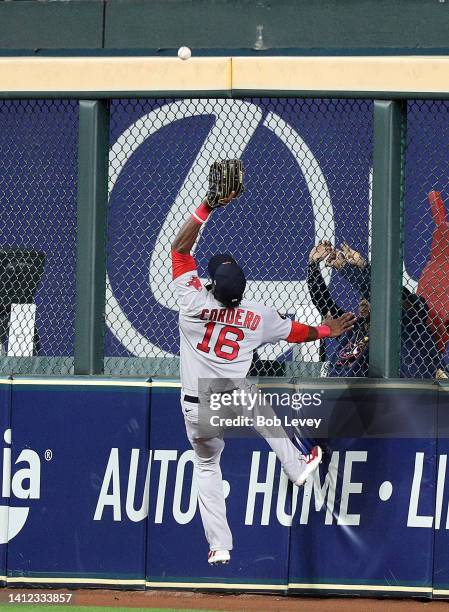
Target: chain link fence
38,168
308,180
426,247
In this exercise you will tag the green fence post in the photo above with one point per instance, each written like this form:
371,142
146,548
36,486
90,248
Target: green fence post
93,151
386,250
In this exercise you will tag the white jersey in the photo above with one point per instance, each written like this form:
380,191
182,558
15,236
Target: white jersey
218,342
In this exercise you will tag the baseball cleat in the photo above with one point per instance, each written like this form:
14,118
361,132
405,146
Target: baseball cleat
218,557
312,460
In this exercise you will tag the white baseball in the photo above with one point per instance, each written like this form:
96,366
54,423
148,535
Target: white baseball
184,53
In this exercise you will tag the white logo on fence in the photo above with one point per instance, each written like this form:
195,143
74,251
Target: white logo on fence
235,124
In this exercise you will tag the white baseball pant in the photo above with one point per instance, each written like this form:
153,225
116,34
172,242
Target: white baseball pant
208,475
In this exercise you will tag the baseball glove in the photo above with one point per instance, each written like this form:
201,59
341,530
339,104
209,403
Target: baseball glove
225,177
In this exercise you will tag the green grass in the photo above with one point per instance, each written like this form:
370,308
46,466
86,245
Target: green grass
70,608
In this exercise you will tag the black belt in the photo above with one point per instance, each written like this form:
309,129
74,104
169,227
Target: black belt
192,399
196,400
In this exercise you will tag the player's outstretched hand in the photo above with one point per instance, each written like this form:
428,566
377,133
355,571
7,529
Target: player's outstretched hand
341,325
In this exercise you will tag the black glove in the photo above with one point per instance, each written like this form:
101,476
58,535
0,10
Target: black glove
225,177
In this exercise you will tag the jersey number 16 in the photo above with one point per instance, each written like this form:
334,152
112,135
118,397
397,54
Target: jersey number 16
223,340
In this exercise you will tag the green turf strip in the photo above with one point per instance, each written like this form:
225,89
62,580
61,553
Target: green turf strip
70,608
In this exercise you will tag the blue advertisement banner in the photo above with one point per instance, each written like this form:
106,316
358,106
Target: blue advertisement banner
367,521
102,493
5,470
81,449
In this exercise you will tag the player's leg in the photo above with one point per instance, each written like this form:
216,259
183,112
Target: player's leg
209,481
211,499
297,467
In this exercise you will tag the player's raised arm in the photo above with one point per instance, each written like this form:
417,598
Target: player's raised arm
188,233
225,183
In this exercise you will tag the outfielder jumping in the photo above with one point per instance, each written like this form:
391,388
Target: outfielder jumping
219,332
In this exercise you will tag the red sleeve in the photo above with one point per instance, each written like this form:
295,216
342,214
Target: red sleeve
298,333
181,264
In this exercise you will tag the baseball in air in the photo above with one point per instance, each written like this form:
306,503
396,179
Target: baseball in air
184,53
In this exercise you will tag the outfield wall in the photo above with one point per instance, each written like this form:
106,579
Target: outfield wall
101,493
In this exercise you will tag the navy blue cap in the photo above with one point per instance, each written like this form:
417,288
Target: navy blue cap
216,260
228,279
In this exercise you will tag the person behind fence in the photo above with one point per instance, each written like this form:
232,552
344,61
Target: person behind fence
433,284
219,331
349,355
